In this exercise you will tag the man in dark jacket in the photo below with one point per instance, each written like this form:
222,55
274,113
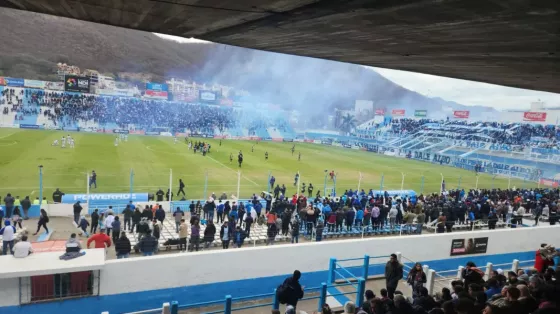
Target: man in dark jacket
292,290
127,212
160,214
25,205
471,274
147,213
94,221
9,202
122,246
209,234
57,196
136,217
148,244
77,212
159,196
393,274
248,223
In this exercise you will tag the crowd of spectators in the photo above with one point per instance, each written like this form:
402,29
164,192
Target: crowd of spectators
67,109
493,132
526,291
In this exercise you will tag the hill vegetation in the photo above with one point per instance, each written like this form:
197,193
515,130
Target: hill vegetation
33,44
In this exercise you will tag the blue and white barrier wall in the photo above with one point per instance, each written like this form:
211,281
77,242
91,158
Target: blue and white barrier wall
146,282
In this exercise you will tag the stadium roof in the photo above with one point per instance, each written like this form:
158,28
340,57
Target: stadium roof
513,43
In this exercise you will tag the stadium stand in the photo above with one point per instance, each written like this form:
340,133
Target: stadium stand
530,151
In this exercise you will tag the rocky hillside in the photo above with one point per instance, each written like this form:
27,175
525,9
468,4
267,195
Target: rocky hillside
32,45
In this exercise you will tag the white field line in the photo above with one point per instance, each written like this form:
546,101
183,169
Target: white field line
116,186
221,164
214,160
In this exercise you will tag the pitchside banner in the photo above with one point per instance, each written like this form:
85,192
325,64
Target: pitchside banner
534,116
398,112
157,87
469,246
54,85
549,182
74,83
420,113
461,114
34,84
379,112
156,94
15,82
2,80
98,197
207,96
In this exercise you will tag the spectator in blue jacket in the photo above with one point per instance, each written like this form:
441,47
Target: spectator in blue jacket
83,225
160,214
258,208
350,219
220,212
493,288
326,209
359,217
233,213
148,244
8,235
239,237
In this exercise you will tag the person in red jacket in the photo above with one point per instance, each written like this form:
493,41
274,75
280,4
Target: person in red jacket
543,258
101,240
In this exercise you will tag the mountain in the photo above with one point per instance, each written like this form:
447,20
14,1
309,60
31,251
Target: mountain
33,44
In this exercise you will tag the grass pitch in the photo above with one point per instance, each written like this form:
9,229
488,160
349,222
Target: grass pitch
151,158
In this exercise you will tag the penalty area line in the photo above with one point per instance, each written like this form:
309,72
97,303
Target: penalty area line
221,164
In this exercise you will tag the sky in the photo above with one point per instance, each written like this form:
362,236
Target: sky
467,93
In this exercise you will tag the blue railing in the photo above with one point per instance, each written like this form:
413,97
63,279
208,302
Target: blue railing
336,272
354,276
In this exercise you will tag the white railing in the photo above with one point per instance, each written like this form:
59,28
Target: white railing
435,281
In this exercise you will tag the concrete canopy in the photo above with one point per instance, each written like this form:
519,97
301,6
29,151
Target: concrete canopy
508,42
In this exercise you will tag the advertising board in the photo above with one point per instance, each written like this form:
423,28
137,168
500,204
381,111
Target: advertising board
74,83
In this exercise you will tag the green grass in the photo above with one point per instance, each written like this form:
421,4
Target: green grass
151,158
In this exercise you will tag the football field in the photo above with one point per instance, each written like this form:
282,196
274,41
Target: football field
151,159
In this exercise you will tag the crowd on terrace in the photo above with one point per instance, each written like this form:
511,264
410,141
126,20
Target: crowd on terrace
66,109
495,132
533,290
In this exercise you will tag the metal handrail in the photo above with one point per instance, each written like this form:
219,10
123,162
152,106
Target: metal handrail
447,271
253,296
251,306
350,259
200,304
341,293
348,281
340,267
152,311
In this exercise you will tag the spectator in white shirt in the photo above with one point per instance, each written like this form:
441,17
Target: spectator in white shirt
8,234
23,248
109,223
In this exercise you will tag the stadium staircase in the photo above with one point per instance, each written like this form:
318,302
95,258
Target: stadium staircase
28,118
432,146
262,133
288,132
414,141
446,149
43,120
237,132
88,124
366,125
400,140
218,132
7,119
274,133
